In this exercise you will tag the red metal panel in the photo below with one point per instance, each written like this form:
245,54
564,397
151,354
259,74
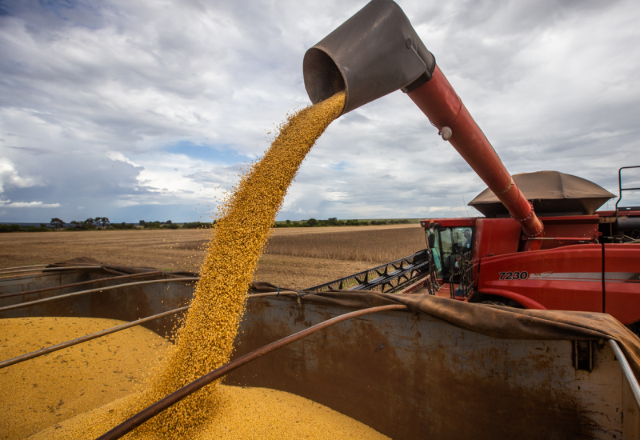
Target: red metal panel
620,214
571,219
567,278
622,282
568,229
496,236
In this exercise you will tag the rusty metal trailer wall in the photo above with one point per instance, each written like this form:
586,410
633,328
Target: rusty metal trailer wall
413,376
126,303
16,284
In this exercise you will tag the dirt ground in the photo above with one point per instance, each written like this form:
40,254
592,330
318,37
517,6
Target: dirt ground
163,249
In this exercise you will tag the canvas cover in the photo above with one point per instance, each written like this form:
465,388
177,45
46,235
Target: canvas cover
552,193
494,321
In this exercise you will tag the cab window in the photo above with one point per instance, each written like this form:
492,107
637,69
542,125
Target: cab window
453,243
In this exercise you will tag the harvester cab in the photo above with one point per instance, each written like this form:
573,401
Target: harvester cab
450,246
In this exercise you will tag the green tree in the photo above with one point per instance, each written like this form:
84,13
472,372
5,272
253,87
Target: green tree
89,223
57,223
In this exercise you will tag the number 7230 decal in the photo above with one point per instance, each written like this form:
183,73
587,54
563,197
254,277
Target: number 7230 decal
513,275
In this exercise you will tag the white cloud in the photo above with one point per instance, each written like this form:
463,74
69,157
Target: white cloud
116,155
9,176
10,204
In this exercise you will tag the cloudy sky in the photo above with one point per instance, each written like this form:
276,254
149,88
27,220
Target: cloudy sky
148,109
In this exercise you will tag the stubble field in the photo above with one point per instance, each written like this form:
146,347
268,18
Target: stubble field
295,257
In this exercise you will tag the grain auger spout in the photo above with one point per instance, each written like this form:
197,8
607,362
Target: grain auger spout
376,52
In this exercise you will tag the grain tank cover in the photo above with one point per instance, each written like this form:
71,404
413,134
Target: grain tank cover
552,193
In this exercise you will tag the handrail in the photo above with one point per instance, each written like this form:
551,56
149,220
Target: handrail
98,289
620,188
72,342
22,267
155,409
64,286
51,349
51,269
626,369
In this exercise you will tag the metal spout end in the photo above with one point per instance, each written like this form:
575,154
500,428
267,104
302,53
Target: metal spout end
322,77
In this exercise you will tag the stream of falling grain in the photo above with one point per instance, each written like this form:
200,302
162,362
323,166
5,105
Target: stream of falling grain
205,341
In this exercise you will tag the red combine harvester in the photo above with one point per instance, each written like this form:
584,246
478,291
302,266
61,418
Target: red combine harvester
569,258
587,261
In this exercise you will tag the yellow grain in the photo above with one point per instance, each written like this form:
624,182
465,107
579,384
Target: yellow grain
205,341
245,413
50,389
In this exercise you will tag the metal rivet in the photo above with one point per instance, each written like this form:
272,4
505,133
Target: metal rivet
408,43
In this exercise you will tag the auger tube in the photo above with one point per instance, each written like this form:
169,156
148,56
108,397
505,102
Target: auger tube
376,52
444,108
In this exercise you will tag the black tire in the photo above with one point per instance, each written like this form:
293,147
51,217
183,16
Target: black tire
495,303
635,328
502,303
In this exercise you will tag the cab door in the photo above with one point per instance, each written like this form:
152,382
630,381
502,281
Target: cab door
453,242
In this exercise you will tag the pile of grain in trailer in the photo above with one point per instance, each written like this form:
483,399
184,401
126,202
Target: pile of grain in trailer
245,413
50,389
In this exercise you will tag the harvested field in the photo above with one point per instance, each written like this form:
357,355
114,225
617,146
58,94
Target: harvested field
371,246
178,250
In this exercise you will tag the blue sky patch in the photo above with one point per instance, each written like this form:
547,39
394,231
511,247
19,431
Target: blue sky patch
340,166
218,154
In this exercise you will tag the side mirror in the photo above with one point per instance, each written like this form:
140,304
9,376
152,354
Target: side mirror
432,241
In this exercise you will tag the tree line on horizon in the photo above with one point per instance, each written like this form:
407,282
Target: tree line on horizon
99,223
333,221
103,223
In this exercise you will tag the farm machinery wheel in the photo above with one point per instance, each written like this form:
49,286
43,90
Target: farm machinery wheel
502,302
